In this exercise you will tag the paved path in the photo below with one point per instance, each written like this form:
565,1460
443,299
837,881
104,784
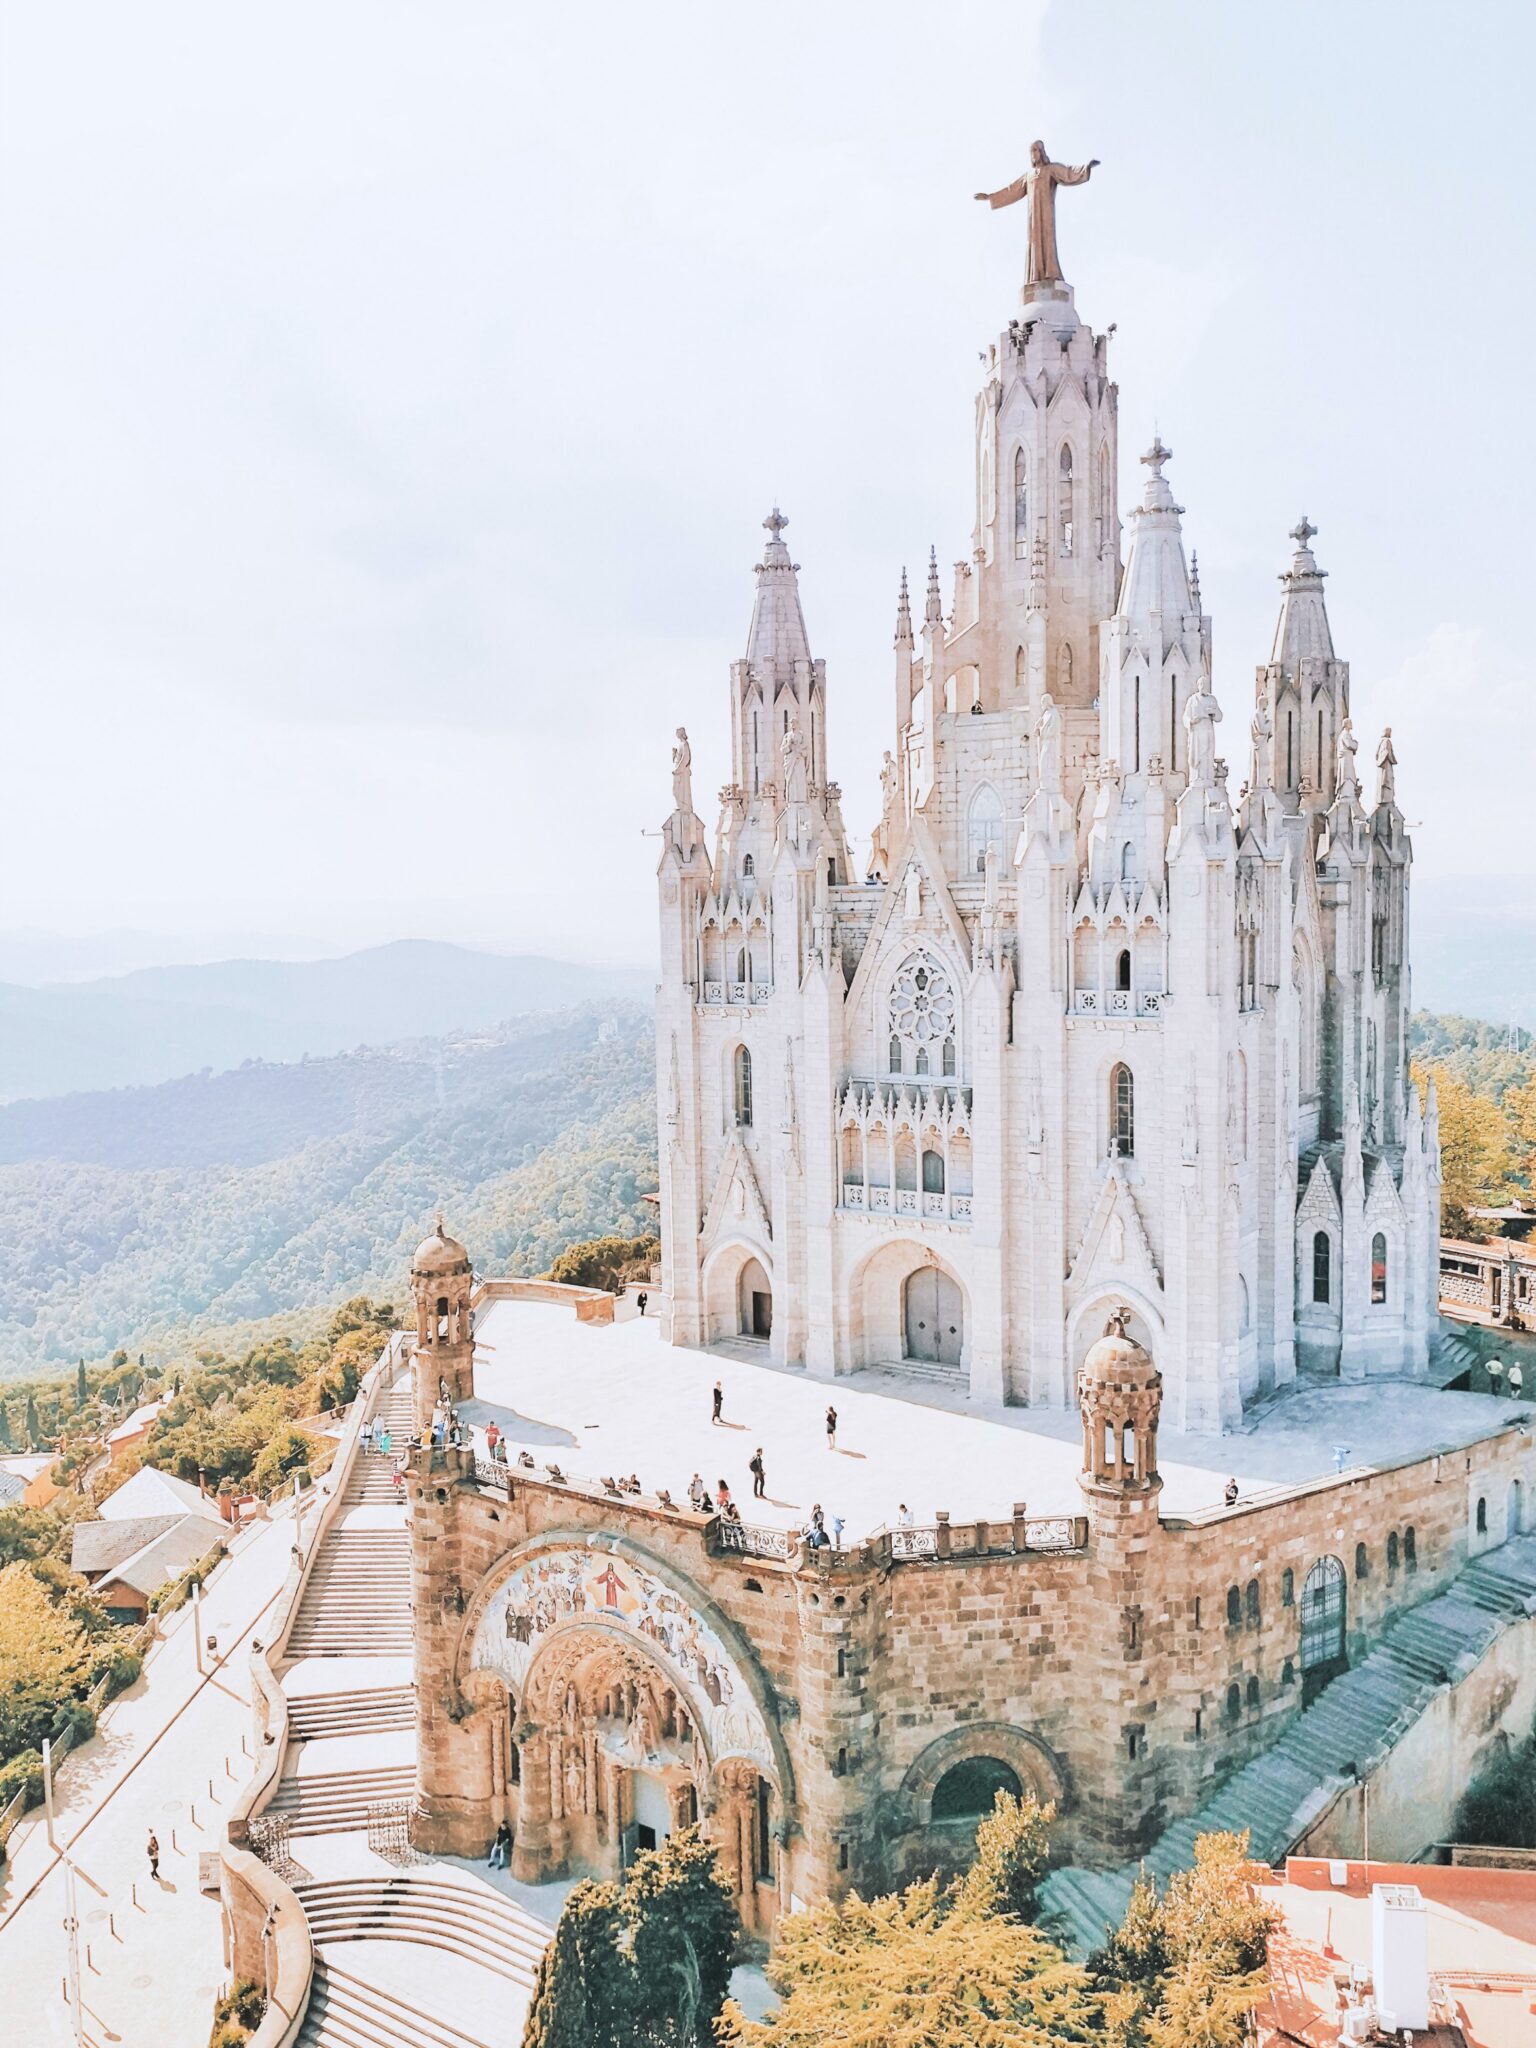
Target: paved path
614,1399
151,1956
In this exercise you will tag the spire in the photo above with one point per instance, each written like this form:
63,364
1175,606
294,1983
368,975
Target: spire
1156,578
933,611
1194,579
778,637
1302,627
903,615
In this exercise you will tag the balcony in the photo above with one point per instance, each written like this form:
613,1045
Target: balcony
737,993
1118,1002
858,1200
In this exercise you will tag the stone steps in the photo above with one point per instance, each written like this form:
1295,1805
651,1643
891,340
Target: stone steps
471,1922
346,2012
351,1713
337,1802
1355,1722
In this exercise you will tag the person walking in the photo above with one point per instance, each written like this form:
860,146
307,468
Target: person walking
153,1848
365,1437
501,1848
492,1439
755,1467
382,1442
719,1402
641,1299
831,1428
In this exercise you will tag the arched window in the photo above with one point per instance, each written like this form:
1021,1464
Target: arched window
743,1085
1127,862
1322,1262
1123,968
1234,1606
1020,507
1288,1675
1251,1611
1064,512
949,1057
748,865
1252,1691
933,1173
923,1013
969,1790
984,829
1378,1268
1287,1588
1362,1562
1122,1113
1410,1549
1234,1701
1020,668
1392,1551
1064,672
1482,1516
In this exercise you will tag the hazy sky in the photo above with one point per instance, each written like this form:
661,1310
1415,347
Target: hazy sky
391,396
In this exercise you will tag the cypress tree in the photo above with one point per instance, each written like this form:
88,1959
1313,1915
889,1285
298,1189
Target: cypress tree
34,1427
5,1427
82,1392
581,1997
684,1932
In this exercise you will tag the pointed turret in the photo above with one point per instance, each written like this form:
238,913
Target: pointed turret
778,638
905,681
903,615
1307,685
933,609
1156,576
1302,627
1153,647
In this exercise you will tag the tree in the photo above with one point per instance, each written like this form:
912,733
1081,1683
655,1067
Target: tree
1474,1150
82,1391
33,1427
906,1971
1499,1806
5,1427
683,1932
45,1660
581,1996
1186,1970
1520,1109
1013,1848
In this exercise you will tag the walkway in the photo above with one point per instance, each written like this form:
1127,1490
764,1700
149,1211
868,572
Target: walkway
1361,1716
170,1753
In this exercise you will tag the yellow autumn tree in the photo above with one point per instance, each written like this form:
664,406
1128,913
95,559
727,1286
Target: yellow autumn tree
45,1660
1474,1150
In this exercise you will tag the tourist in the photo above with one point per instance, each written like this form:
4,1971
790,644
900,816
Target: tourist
501,1848
904,1516
816,1531
730,1512
153,1849
500,1453
492,1439
365,1437
831,1428
1230,1495
1516,1380
397,1478
838,1526
706,1505
722,1493
641,1299
719,1401
695,1491
383,1442
525,1459
755,1467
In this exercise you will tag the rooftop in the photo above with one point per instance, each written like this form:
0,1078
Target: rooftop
1481,1938
611,1400
153,1492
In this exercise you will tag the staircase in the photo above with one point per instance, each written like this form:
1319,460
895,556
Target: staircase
357,1602
337,1802
1360,1717
466,1921
358,1712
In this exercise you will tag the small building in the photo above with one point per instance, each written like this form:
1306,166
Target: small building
129,1434
149,1532
1401,1951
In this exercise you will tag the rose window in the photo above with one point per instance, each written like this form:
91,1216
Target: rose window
922,1019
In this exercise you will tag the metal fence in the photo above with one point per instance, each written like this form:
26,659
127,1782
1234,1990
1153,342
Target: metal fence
389,1830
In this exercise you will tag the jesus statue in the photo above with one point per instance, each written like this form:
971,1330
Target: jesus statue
1038,186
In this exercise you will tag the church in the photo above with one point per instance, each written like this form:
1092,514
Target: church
1112,1017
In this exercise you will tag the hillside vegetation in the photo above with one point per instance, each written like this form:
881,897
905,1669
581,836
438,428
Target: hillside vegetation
137,1216
1485,1085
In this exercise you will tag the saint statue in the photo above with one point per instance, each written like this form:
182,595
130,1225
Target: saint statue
1038,186
1386,767
887,784
1048,744
1201,715
1263,733
796,775
682,774
1346,782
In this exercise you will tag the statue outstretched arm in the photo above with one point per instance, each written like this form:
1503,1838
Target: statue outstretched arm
1008,194
1074,174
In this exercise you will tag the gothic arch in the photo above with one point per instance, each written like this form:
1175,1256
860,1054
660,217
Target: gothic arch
1035,1764
984,819
722,1283
1085,1323
876,1300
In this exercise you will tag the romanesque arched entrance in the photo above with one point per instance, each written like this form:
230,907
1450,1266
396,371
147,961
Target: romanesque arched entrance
634,1718
933,1317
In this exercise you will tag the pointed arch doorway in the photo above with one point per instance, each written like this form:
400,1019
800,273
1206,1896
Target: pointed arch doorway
755,1299
933,1318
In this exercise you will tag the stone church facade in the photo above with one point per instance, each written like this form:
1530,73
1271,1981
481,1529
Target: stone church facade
1102,1021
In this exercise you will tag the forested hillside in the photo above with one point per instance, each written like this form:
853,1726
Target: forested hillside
212,1201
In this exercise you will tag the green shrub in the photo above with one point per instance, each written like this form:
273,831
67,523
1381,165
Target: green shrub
24,1772
610,1262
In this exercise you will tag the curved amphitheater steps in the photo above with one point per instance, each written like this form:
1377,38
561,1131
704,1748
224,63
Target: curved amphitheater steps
470,1922
346,2012
1360,1717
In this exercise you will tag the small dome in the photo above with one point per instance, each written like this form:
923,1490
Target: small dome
1118,1360
439,1255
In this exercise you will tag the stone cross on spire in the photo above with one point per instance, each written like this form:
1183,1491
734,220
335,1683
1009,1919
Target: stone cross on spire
775,522
1303,533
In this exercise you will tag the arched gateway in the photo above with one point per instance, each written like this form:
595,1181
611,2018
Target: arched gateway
629,1715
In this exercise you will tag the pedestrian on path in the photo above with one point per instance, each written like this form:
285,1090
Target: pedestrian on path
831,1428
719,1401
153,1851
755,1467
365,1437
641,1299
501,1848
397,1478
381,1442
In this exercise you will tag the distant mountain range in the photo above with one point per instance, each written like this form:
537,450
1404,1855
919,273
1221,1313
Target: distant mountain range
216,1200
161,1022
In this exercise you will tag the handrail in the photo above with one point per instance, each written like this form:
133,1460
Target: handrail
287,1962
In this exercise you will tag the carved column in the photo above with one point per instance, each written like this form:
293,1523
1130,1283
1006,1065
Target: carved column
531,1841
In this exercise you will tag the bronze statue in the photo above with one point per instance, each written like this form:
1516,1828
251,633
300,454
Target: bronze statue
1038,186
